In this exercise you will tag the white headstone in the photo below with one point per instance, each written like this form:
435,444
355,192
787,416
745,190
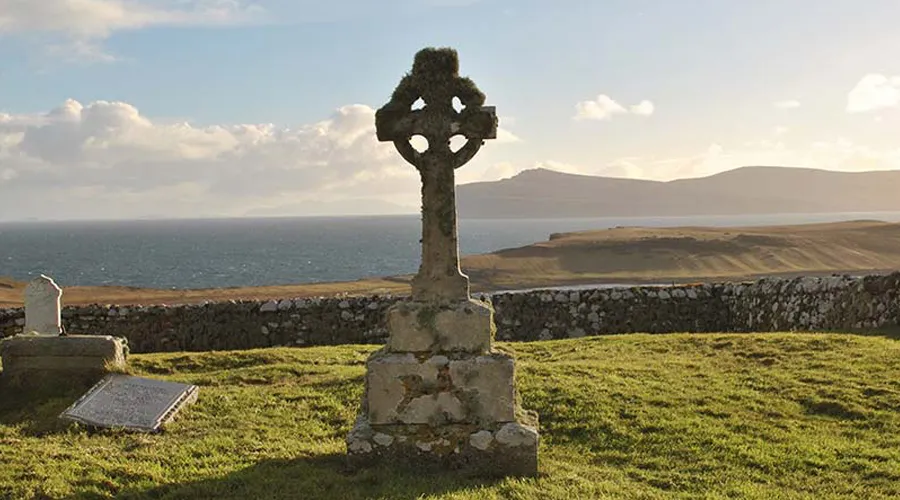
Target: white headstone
42,314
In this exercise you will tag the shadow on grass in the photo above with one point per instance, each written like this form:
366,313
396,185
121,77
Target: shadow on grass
37,410
310,478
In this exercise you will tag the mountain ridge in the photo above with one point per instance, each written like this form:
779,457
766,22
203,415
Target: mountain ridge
542,192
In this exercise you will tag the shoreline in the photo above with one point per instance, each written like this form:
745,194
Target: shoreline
622,256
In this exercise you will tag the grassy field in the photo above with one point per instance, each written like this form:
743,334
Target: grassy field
632,416
626,254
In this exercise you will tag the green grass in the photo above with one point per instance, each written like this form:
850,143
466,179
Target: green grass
632,416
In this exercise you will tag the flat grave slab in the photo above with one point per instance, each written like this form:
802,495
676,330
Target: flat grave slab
134,403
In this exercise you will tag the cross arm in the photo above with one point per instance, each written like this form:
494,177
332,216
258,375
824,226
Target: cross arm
398,123
478,122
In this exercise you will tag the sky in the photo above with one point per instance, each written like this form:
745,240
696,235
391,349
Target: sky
234,108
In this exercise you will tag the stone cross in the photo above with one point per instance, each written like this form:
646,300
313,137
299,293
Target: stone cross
435,79
42,311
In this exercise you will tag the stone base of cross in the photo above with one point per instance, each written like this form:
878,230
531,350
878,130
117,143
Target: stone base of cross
438,396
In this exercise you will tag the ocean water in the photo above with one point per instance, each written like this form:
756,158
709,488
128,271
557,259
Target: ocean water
271,251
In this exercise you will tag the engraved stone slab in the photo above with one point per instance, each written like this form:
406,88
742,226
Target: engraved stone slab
135,403
42,315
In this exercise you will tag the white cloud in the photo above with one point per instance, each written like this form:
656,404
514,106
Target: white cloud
505,137
601,108
76,28
780,130
495,172
788,104
643,108
874,91
604,107
107,154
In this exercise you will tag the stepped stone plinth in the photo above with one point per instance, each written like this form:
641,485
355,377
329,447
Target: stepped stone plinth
437,394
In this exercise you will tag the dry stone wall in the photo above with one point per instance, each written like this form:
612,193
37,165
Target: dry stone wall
801,304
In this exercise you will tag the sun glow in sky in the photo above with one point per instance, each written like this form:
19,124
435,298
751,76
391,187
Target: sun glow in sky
199,108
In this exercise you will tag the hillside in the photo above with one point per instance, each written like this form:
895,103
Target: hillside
630,416
618,255
628,254
541,193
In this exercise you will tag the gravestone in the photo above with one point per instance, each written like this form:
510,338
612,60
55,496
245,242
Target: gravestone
42,307
40,355
133,403
438,394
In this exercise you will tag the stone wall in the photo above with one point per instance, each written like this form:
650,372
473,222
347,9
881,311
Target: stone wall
803,304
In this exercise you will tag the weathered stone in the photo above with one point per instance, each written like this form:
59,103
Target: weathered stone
481,440
42,307
489,451
435,79
401,389
516,434
33,359
462,326
71,345
383,439
134,403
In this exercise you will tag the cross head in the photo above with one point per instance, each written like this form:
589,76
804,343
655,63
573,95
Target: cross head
435,80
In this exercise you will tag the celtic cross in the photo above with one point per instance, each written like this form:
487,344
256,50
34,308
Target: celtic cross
435,79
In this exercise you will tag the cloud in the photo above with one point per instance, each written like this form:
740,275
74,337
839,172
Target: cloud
505,137
601,108
644,108
604,107
780,130
874,91
788,104
107,154
75,29
494,172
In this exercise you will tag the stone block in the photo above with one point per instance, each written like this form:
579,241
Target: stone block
102,346
466,326
402,388
498,450
33,358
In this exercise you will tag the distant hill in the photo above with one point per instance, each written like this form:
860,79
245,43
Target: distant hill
679,254
746,190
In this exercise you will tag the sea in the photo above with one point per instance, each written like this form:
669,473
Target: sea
208,253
